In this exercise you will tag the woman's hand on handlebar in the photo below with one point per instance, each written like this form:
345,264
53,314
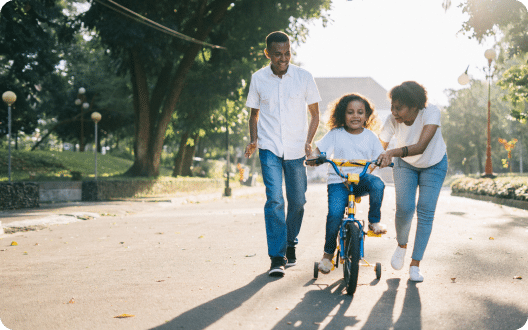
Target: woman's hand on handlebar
384,160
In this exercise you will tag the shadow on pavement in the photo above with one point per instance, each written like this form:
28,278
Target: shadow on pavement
382,313
316,306
208,313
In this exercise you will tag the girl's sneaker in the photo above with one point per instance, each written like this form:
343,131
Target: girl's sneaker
378,228
325,265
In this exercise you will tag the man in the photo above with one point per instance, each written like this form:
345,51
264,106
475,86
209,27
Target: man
278,95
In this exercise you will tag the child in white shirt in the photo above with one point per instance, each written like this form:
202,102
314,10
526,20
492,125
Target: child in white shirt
350,138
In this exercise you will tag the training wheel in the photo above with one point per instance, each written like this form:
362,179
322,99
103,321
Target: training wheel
316,269
377,269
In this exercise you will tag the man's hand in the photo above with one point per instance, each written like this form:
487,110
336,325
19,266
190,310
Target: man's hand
250,149
308,149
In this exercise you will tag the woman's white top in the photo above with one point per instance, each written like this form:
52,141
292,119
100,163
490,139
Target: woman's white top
409,135
340,144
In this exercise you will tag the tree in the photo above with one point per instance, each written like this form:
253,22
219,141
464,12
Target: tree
487,15
159,64
85,65
30,31
464,124
511,18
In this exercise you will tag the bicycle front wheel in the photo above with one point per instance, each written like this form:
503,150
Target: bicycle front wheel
351,248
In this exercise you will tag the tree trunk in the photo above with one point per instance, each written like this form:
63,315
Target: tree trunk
479,162
157,137
142,118
189,156
178,159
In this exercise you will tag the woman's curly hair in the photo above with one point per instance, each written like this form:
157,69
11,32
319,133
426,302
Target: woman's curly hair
338,112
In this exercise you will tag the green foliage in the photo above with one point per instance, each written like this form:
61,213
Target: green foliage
485,15
26,54
513,187
185,82
464,128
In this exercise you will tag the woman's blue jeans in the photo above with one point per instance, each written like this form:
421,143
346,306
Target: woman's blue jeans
281,229
407,179
338,201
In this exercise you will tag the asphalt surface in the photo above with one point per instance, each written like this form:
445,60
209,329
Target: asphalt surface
201,262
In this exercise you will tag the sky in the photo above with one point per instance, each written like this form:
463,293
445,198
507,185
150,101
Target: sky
393,41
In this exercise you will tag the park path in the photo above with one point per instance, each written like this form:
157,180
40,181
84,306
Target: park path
203,265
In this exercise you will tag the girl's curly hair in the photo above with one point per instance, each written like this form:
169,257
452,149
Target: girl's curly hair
338,112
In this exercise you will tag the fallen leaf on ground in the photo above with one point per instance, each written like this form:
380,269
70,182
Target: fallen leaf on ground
122,316
492,238
202,236
14,243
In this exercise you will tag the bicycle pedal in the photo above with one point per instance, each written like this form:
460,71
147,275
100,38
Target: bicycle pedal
370,233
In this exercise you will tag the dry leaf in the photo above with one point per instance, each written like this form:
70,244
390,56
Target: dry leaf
491,238
122,316
14,243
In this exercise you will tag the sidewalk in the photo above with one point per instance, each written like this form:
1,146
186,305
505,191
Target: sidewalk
68,212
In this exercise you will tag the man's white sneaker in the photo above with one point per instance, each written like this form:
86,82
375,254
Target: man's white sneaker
415,275
398,258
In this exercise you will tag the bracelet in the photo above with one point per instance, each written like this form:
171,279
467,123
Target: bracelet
405,152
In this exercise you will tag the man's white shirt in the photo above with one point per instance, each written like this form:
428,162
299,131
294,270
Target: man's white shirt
283,120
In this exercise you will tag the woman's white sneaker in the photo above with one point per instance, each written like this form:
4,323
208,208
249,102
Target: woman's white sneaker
398,258
415,275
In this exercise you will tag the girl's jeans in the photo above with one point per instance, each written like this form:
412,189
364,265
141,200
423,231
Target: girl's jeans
429,180
338,201
281,230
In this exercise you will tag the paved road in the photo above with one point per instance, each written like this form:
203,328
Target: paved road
203,265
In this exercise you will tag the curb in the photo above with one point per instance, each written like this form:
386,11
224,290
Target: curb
497,200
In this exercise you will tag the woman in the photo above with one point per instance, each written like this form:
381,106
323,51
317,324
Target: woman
420,161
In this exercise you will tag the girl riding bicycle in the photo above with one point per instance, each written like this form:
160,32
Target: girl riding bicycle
351,119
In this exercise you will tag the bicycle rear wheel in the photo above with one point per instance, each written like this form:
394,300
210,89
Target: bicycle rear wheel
351,248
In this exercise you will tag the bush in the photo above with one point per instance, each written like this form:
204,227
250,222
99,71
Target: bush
510,187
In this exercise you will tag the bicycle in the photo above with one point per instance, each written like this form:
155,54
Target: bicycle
351,232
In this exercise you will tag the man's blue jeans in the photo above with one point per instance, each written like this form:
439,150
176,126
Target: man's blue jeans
281,229
407,179
338,200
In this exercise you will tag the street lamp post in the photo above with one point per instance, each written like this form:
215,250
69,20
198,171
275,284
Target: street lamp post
227,191
490,56
96,117
81,100
9,98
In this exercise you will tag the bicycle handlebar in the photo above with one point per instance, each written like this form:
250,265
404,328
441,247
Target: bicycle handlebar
321,159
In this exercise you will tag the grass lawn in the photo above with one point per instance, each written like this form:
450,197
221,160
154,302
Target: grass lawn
55,165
